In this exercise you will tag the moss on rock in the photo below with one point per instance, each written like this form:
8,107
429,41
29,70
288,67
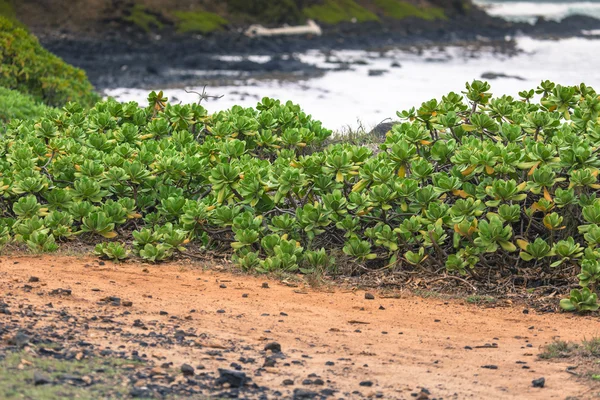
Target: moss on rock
198,21
402,9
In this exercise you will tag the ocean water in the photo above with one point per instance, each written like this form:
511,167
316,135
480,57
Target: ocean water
343,99
529,11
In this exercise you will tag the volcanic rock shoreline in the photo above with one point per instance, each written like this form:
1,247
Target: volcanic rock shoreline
134,60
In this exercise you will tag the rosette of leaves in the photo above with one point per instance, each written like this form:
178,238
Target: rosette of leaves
580,300
113,251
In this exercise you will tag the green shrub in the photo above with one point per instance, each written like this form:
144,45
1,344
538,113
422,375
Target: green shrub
15,105
25,66
475,185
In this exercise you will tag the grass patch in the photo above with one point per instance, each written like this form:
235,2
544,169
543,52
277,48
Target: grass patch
401,9
16,383
141,18
477,299
199,21
562,349
585,355
336,11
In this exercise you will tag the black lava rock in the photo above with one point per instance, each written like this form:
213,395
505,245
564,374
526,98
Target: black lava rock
303,394
187,370
235,379
538,383
274,347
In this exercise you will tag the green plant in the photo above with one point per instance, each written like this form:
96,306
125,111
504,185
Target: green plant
30,69
456,186
112,251
141,17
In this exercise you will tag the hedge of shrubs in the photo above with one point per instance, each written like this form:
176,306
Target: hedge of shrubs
471,184
15,105
25,66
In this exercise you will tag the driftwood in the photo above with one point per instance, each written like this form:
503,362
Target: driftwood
311,28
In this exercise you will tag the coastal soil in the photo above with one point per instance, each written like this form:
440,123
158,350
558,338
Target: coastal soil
195,330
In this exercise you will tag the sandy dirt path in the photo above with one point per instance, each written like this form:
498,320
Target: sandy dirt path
392,348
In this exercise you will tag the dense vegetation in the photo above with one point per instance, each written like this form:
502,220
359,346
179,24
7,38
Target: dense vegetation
15,105
25,66
474,185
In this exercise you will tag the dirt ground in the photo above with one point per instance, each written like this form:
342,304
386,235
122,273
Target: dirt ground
335,343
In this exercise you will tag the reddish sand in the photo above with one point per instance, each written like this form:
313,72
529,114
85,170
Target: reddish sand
400,344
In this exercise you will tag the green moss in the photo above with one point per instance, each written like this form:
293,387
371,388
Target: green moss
336,11
29,68
401,9
141,18
15,105
199,21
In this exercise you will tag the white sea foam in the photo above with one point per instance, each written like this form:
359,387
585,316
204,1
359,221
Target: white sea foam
341,98
529,11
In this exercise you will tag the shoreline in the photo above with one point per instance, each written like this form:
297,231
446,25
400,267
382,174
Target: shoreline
139,61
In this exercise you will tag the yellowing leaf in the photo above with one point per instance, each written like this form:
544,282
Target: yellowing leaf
522,244
468,170
402,172
532,170
547,194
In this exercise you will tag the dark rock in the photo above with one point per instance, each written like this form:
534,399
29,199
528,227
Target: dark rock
369,296
538,383
141,393
127,303
330,363
235,379
34,279
265,285
220,311
287,382
163,313
396,64
223,286
20,339
187,370
40,379
274,347
366,383
270,362
245,295
303,394
61,292
496,75
489,366
377,72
